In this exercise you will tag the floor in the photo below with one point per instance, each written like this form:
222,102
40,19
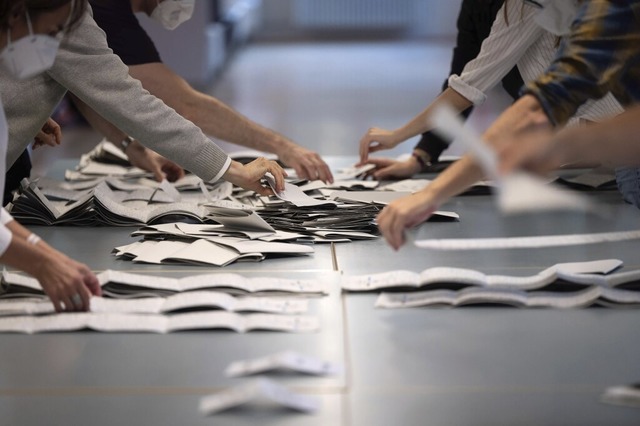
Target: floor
322,95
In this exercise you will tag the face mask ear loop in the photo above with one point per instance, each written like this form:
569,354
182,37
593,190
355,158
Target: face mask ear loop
29,22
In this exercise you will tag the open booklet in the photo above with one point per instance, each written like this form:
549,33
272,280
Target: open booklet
124,284
581,273
200,300
151,323
591,295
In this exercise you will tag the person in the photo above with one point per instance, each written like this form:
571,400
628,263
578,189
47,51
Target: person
515,38
547,150
474,22
128,40
600,54
27,31
88,68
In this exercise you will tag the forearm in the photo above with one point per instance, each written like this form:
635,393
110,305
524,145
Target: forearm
453,181
421,123
99,123
614,143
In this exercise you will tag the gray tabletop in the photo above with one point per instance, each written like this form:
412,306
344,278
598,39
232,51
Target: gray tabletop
415,366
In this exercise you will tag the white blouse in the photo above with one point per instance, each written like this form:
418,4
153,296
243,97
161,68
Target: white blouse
523,43
5,217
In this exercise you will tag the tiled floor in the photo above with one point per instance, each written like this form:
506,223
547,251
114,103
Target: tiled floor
322,95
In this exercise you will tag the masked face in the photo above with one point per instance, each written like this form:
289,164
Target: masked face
555,16
30,55
171,13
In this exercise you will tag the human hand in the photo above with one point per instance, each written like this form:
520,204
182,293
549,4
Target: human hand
402,214
534,151
307,164
388,168
153,162
249,176
69,284
50,134
377,139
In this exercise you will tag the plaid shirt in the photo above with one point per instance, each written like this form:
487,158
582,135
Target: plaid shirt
602,54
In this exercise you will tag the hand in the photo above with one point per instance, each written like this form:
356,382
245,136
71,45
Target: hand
153,162
308,164
50,134
250,175
387,168
534,151
403,214
69,284
377,139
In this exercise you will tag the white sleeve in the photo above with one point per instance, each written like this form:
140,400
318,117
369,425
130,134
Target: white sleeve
5,216
509,40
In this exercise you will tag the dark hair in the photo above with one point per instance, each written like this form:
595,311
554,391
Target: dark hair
38,7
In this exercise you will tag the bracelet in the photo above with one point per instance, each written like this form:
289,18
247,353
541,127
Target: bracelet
125,143
33,239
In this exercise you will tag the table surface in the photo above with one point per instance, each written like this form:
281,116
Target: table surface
473,365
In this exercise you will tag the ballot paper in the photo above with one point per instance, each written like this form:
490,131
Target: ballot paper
626,395
163,305
115,322
583,273
259,391
123,283
297,197
526,242
518,191
348,173
414,185
592,295
289,360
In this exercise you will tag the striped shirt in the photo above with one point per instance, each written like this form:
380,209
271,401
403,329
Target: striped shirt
518,40
602,54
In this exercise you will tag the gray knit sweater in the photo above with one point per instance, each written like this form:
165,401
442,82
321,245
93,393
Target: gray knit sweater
87,67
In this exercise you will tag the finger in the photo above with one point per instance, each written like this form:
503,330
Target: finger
68,303
57,131
365,143
265,191
396,232
93,284
324,172
55,300
85,297
278,174
157,173
303,172
45,139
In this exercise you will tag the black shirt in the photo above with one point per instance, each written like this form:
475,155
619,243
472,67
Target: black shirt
125,35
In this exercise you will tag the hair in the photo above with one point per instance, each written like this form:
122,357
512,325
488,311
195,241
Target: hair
9,8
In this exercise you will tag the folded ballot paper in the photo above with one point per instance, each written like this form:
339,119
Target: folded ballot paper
259,392
119,284
626,395
117,322
568,285
288,360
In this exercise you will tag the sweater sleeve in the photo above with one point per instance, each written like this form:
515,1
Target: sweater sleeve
88,68
509,39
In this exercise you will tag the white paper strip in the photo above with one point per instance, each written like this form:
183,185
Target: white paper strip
288,360
526,242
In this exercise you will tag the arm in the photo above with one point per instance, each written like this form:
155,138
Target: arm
219,120
593,60
499,53
544,151
523,117
61,277
139,156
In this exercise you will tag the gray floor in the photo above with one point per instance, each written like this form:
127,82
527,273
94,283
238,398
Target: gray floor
469,366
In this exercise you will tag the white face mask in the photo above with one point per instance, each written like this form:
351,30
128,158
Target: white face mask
30,55
171,13
556,16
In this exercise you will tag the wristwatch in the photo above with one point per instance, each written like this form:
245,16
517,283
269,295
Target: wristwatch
125,143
